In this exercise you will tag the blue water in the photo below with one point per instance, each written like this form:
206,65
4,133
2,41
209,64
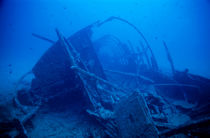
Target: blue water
62,96
183,24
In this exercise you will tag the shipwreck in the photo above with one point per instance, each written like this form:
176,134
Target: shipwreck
123,94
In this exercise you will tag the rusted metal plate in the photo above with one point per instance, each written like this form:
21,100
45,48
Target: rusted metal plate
133,118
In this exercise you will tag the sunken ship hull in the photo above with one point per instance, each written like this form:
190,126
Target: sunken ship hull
77,90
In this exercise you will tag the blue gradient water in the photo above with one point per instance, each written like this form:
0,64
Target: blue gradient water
183,24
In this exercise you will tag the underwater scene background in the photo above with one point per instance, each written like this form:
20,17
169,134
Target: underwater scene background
177,70
184,25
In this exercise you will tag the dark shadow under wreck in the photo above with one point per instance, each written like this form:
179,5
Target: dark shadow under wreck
84,92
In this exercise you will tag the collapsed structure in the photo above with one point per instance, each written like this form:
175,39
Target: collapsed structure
125,94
